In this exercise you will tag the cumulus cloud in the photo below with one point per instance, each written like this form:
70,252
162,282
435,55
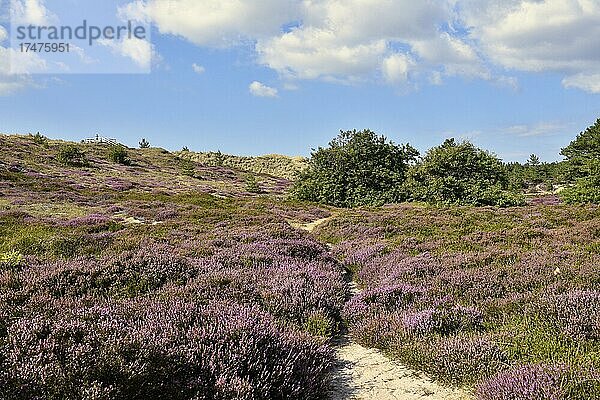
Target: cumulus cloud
199,69
394,40
140,51
396,67
542,35
3,34
15,70
219,23
587,82
25,12
259,89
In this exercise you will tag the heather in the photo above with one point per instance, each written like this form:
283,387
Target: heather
129,276
164,277
490,298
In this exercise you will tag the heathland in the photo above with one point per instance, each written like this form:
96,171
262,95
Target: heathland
140,273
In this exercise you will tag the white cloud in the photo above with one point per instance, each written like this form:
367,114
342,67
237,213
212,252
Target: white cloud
395,68
199,69
140,51
261,90
395,40
15,69
3,34
541,35
587,82
25,12
218,23
536,130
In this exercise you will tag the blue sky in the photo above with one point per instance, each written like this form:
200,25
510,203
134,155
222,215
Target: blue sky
292,81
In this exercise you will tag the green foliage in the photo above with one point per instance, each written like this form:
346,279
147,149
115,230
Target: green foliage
39,139
144,144
118,154
358,168
252,185
460,173
70,155
583,160
319,324
188,167
11,259
185,149
586,189
533,160
584,148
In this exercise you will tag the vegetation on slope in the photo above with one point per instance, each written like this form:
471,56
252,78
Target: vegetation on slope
273,164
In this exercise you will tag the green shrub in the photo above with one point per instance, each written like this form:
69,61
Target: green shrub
144,144
358,168
40,139
252,185
460,173
319,324
118,154
188,167
70,155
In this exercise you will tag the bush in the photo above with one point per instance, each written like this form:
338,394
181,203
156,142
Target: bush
358,168
118,154
39,139
144,144
71,156
252,185
460,173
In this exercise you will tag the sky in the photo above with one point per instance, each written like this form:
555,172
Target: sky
254,77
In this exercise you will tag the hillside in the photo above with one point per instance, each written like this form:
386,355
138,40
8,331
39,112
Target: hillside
272,164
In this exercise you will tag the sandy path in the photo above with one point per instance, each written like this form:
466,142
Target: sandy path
362,373
311,226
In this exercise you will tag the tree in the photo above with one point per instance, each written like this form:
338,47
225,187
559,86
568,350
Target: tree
460,173
533,161
144,144
358,168
583,161
580,151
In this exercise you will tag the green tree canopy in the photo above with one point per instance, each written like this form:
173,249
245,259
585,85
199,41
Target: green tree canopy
583,160
582,150
460,173
358,168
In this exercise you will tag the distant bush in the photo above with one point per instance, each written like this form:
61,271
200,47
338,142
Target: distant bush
188,167
252,185
460,173
358,168
70,155
118,154
39,139
144,144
